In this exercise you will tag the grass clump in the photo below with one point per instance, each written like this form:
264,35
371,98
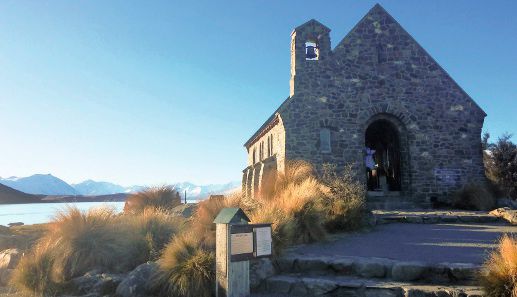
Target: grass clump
474,197
151,230
344,204
186,268
499,276
34,273
82,241
163,197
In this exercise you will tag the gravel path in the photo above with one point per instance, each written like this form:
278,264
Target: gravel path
432,243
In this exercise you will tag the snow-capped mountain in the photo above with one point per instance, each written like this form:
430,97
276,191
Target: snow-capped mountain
91,187
45,184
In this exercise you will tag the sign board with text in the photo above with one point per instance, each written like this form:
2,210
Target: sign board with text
250,241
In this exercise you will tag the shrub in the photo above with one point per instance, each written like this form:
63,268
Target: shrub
153,228
344,203
504,164
204,216
34,273
499,275
474,196
81,241
164,197
186,268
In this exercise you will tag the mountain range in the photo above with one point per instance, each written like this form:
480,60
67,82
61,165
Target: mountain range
47,184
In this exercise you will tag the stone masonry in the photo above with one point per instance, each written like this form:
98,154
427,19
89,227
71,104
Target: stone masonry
377,76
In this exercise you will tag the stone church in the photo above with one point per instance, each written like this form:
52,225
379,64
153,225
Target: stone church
377,100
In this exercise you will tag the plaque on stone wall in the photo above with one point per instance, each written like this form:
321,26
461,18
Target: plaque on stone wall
447,176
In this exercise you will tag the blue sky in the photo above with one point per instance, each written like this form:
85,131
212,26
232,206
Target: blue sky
148,92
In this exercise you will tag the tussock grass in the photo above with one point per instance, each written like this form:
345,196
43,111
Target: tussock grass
186,268
345,199
79,241
34,273
499,276
151,230
85,240
474,197
164,197
204,216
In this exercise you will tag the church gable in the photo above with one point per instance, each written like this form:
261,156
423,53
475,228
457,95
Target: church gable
379,46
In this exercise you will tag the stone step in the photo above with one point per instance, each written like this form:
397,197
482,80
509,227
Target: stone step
302,285
379,268
432,217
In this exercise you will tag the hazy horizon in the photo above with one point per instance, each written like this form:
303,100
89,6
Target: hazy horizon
153,93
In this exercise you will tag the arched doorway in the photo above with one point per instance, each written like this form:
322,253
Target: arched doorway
383,156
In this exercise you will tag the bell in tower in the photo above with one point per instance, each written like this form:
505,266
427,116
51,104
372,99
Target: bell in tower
311,51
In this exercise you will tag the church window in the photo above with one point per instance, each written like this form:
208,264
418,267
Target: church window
269,146
381,54
325,140
312,51
254,155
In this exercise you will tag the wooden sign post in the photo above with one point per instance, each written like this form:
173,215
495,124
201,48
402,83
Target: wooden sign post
236,243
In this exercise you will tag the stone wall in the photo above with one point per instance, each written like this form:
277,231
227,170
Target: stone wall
266,156
379,71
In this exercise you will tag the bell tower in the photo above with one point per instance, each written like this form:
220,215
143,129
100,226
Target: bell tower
310,44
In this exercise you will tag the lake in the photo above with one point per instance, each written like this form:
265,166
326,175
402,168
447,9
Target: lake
36,213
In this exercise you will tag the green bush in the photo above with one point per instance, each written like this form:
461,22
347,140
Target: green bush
474,196
163,197
501,163
345,200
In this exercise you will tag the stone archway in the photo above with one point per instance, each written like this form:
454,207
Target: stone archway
388,167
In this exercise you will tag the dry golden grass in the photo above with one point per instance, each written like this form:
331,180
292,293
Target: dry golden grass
474,197
499,276
34,273
82,241
164,197
204,216
186,268
153,229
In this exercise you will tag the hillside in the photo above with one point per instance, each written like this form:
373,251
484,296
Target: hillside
10,195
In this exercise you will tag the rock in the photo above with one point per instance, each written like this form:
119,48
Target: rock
343,266
407,271
367,268
4,230
15,224
184,210
98,283
316,287
136,284
9,258
311,264
381,292
509,215
279,284
260,269
5,276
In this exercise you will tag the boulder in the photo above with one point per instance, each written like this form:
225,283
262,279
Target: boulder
9,258
136,283
407,271
97,283
509,215
367,268
184,210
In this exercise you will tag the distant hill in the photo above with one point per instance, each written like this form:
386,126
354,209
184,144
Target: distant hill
10,195
91,187
44,184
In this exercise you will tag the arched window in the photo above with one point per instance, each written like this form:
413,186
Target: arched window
272,144
325,146
254,155
312,51
268,146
